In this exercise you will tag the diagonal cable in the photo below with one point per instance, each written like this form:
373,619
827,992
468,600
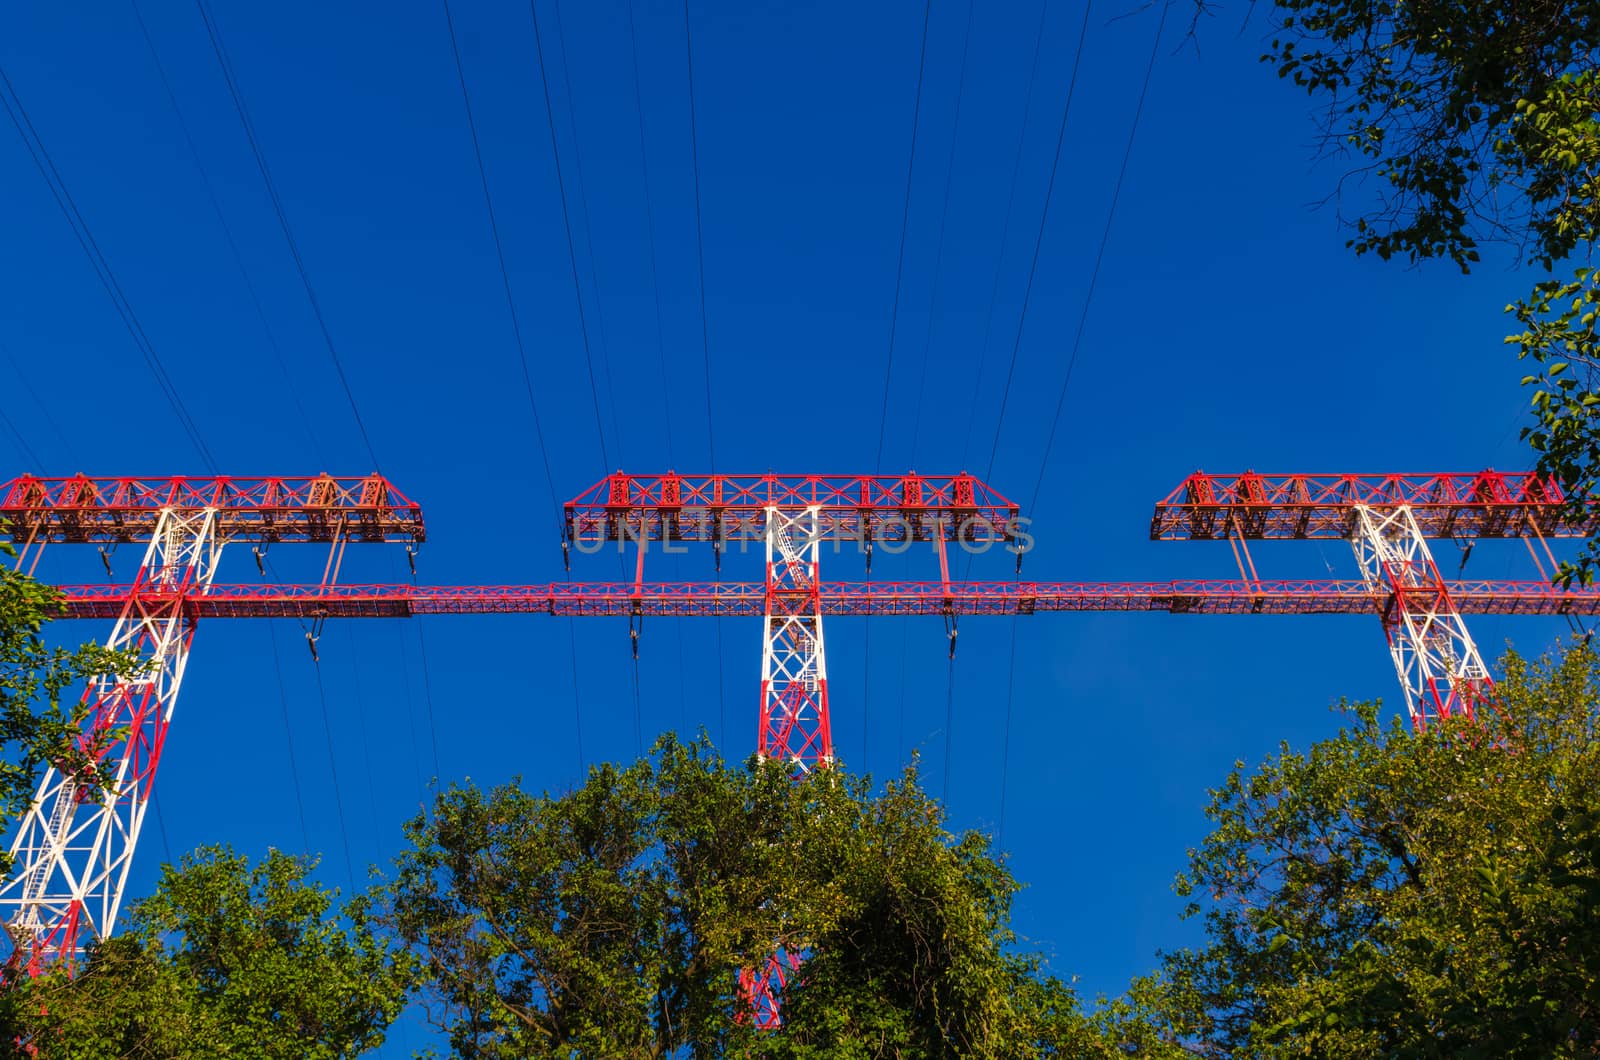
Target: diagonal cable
18,113
221,53
1100,254
566,220
500,256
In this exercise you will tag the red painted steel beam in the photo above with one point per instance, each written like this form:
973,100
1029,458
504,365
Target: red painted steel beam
715,508
113,510
1477,504
705,599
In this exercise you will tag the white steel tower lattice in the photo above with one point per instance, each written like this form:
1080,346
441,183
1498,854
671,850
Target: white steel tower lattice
794,725
76,841
1438,663
74,845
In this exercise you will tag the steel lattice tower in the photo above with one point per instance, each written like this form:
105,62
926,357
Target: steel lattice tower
76,841
74,844
794,725
1387,519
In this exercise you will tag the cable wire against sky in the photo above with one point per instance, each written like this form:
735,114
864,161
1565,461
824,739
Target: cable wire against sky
888,371
661,345
44,408
500,257
427,677
527,379
1105,235
566,220
650,234
366,741
588,236
18,113
1100,254
333,768
705,325
944,219
227,233
699,240
905,220
1038,241
1005,230
23,448
288,736
221,52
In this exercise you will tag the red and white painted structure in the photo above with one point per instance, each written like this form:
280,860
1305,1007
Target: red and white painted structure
794,723
76,841
74,845
1388,519
890,598
792,515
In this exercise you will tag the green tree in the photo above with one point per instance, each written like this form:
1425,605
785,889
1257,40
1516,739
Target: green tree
226,959
613,920
1390,893
1478,122
41,708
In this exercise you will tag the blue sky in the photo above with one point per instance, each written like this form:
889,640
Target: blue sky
1229,329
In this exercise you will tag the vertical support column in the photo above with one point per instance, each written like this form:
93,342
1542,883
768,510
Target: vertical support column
794,676
76,841
794,724
1439,665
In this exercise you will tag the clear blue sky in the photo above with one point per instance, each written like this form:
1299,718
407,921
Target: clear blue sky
1230,329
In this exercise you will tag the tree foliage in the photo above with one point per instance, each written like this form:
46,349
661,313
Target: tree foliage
1479,121
41,707
1401,894
614,920
225,959
1473,118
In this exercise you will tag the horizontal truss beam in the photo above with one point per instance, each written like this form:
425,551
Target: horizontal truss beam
1476,504
118,510
716,508
708,599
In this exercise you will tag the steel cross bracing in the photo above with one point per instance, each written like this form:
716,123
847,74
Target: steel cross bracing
794,725
793,514
1438,664
1387,520
76,841
723,508
1481,504
749,599
114,510
72,880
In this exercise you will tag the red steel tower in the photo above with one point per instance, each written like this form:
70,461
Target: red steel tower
1387,519
792,515
76,841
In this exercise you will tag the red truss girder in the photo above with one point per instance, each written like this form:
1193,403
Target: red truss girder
716,508
706,599
110,510
1477,504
